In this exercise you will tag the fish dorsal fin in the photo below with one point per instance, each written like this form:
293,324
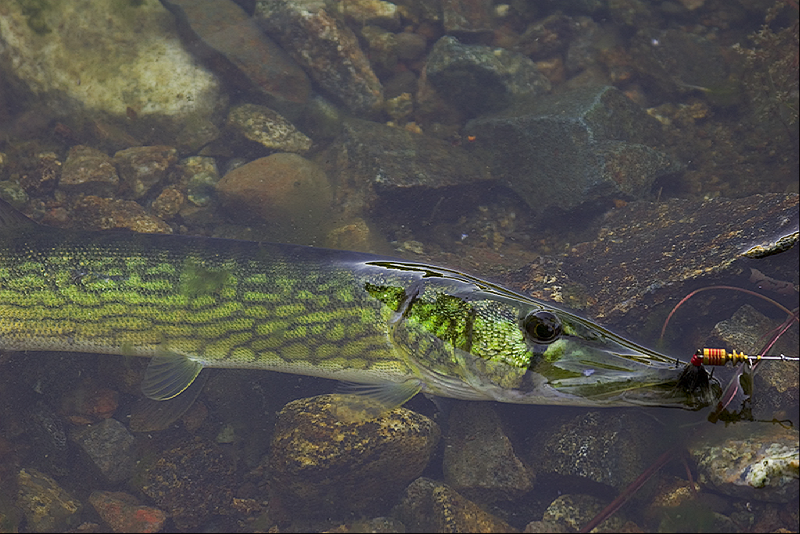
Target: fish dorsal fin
168,375
11,217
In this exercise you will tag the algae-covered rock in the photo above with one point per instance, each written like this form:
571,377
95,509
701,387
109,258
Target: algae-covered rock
761,463
268,127
191,482
47,506
430,506
322,464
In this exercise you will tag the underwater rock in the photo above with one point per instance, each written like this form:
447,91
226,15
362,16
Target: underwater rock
467,18
88,403
660,56
750,462
63,62
479,460
359,13
89,171
647,254
321,464
47,506
479,78
201,176
124,513
95,213
143,167
603,447
326,48
572,512
430,506
374,166
191,482
168,203
268,127
41,179
224,27
575,150
110,447
286,190
775,383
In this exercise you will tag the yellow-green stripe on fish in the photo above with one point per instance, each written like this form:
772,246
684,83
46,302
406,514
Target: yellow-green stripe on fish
398,327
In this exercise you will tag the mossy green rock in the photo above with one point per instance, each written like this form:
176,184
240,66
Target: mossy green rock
320,463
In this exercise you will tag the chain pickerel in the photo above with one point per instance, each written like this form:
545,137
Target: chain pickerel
396,327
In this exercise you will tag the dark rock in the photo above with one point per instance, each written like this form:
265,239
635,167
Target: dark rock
223,26
44,177
269,128
603,447
649,253
321,464
143,167
196,133
661,56
326,48
287,191
465,18
430,506
88,403
89,171
409,46
190,482
577,149
480,78
760,463
479,460
95,213
110,447
47,506
372,164
124,513
547,37
775,382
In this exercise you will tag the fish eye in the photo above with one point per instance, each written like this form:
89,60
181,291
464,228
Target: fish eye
542,326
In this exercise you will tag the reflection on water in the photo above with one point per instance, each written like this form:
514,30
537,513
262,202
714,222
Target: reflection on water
613,157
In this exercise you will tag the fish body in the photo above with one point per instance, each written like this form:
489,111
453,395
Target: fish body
396,327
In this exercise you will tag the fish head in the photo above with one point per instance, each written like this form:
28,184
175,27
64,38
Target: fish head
470,339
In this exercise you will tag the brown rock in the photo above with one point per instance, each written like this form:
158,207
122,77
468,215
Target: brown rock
142,167
328,50
124,513
87,170
89,403
322,464
430,506
287,191
95,213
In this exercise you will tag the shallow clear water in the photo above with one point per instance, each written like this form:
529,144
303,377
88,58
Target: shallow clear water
718,122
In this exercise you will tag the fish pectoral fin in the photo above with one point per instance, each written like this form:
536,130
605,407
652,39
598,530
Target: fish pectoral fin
357,403
168,375
149,415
